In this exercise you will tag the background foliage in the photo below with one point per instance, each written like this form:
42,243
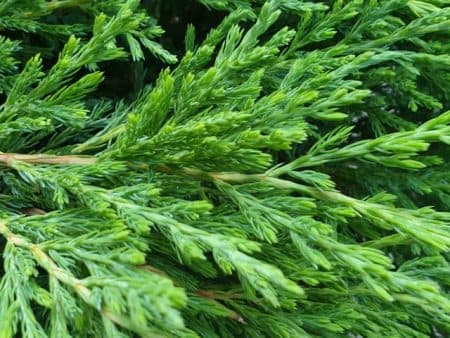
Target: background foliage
260,169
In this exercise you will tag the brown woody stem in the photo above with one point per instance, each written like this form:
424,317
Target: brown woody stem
9,158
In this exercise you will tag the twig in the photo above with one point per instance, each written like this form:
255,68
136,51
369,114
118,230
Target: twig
9,158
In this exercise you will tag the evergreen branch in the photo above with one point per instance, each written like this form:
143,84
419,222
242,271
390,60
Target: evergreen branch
394,149
79,286
427,228
369,209
272,183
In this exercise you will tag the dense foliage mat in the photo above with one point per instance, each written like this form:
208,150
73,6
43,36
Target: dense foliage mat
262,169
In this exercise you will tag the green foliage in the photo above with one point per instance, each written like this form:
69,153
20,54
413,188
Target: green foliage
287,177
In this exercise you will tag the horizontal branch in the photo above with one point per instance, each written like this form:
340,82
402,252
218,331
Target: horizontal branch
9,158
230,177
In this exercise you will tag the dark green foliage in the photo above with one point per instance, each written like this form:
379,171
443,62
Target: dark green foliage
285,175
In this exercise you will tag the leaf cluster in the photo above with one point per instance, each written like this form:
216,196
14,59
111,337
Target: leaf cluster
287,177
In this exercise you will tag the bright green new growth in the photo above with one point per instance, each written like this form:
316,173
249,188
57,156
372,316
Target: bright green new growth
275,182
